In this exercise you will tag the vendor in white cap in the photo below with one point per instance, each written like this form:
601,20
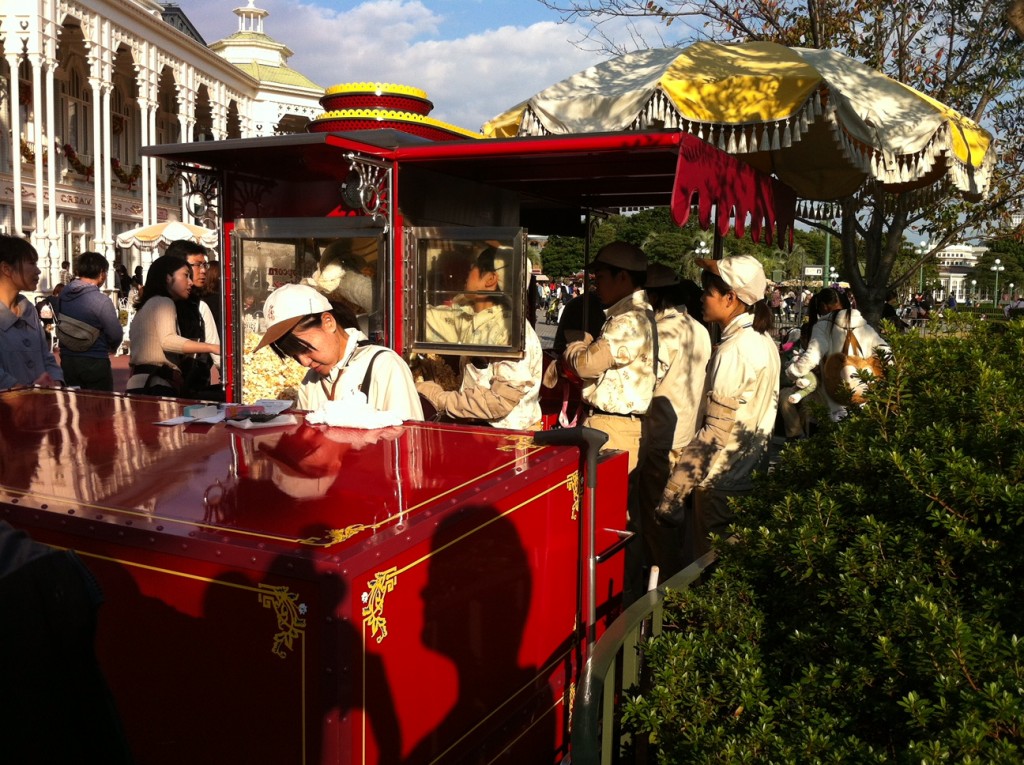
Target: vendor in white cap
618,369
504,393
305,326
737,416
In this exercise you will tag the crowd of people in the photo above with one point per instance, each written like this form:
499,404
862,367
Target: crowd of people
68,337
696,419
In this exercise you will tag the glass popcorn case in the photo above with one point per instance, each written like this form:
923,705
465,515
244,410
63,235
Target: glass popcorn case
456,290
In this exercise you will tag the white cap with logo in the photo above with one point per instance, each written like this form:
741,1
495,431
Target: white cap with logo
287,306
743,273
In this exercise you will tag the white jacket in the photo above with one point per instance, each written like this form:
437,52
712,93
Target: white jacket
828,336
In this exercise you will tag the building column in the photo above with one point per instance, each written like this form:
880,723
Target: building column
98,171
54,239
186,124
220,112
108,80
38,233
13,60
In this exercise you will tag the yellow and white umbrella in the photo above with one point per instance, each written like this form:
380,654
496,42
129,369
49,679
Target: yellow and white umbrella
151,237
822,122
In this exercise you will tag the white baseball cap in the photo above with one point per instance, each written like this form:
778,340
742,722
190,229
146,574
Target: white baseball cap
743,273
287,306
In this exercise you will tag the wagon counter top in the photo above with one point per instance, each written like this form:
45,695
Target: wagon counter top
102,457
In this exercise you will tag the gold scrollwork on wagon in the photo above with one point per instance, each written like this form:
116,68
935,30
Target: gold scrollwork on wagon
345,534
572,702
289,613
373,602
572,483
516,444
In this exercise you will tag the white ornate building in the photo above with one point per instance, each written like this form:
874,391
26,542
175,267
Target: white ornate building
84,84
955,264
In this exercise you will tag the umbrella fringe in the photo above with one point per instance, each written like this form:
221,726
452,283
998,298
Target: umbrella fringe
881,166
530,124
807,117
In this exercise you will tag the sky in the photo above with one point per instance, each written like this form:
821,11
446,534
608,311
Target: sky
474,58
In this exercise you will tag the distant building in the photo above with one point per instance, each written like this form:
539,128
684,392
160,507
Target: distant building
954,264
84,86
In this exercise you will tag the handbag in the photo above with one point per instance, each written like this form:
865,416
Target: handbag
74,335
841,372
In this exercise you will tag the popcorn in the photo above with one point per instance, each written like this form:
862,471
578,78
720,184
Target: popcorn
264,375
434,368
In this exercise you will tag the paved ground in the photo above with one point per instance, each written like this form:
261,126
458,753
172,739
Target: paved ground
120,367
546,332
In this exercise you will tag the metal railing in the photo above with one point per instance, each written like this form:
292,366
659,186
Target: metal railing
615,666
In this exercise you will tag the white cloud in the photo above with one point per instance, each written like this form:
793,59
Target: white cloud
469,79
472,79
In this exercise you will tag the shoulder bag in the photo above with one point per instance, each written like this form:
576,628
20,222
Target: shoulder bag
841,371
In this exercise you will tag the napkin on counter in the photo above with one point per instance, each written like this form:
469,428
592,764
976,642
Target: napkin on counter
352,411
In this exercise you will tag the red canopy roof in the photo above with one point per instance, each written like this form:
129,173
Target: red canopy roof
567,173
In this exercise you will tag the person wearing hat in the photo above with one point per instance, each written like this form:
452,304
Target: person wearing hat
684,347
737,414
504,393
618,369
304,325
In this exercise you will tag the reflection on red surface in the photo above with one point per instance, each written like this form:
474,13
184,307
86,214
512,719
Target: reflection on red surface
107,454
404,595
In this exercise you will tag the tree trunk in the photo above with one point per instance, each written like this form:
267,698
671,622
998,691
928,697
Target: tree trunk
869,268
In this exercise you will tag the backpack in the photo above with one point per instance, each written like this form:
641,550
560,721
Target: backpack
841,371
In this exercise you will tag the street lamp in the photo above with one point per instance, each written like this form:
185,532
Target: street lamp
921,249
833,275
701,249
974,291
997,268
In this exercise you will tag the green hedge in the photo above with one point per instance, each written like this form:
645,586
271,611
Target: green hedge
871,611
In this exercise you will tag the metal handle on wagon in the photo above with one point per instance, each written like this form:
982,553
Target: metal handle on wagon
590,441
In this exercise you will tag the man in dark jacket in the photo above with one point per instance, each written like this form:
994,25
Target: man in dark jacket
82,300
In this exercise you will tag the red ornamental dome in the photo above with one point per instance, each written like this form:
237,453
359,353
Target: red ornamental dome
376,95
378,105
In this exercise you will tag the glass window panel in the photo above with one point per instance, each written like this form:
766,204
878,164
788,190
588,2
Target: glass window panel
470,291
343,258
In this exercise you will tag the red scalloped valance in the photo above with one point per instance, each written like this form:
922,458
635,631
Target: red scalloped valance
735,190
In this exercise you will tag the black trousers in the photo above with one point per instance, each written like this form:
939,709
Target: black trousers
87,372
55,706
